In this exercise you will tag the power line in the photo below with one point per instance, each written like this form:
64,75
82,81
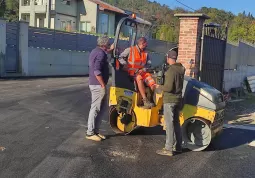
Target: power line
185,5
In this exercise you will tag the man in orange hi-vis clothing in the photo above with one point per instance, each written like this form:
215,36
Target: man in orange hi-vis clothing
135,60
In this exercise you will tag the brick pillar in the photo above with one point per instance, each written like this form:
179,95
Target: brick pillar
191,26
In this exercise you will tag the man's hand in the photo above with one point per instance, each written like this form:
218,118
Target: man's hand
141,71
112,47
157,86
100,80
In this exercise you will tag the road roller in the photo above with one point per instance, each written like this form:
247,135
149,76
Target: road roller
202,112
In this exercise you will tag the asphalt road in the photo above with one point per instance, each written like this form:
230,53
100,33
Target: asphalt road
42,134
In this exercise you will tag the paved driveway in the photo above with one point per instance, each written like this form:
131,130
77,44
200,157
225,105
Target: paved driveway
42,129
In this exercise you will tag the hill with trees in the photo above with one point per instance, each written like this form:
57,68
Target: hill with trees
241,26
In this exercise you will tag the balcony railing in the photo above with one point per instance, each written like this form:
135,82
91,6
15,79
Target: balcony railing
40,5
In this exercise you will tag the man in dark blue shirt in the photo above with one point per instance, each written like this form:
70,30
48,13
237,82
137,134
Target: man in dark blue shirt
98,79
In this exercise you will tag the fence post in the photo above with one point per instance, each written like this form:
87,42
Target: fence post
23,48
2,46
191,26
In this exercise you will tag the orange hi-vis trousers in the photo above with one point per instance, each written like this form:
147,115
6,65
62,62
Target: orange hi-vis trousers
146,77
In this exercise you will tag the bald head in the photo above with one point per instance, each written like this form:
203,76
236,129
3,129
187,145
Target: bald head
142,43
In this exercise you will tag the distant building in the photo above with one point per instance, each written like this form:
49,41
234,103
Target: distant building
92,16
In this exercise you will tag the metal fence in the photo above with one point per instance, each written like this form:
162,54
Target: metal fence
47,38
213,58
54,39
12,47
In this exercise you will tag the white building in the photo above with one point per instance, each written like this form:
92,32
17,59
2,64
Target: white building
72,15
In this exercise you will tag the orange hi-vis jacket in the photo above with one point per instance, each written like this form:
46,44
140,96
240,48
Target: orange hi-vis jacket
137,60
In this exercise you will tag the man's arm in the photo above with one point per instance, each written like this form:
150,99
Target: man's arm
123,56
168,81
98,68
148,63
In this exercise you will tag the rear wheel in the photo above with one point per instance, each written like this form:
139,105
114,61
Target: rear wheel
122,123
197,134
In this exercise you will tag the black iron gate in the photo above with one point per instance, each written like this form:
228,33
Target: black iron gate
213,55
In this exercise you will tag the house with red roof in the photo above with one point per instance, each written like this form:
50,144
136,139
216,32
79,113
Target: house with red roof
88,16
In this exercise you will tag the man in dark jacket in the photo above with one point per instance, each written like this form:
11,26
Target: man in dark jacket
98,79
172,99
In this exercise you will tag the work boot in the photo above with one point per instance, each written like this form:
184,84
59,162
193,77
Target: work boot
177,150
101,136
94,138
165,152
147,104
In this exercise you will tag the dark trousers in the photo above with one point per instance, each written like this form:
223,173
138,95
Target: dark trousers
173,127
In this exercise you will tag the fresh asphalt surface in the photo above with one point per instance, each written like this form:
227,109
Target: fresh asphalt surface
42,134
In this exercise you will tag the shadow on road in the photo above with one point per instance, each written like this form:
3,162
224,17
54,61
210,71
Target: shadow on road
158,130
142,131
231,138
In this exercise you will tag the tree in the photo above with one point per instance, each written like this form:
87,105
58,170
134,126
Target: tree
166,28
242,28
9,9
2,8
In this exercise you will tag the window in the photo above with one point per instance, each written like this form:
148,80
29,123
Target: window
85,27
103,23
41,23
25,17
66,2
26,3
39,2
63,25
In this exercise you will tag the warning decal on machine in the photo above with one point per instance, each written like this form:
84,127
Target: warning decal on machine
128,93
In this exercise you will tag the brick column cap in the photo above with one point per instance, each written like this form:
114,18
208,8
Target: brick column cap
190,15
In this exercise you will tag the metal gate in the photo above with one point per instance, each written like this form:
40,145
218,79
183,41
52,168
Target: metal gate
12,47
213,55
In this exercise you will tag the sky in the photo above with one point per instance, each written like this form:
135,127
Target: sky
235,6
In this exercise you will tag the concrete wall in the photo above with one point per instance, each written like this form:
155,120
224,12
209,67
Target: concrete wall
239,54
48,62
235,78
239,63
87,12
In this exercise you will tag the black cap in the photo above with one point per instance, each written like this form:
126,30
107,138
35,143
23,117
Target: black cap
172,55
